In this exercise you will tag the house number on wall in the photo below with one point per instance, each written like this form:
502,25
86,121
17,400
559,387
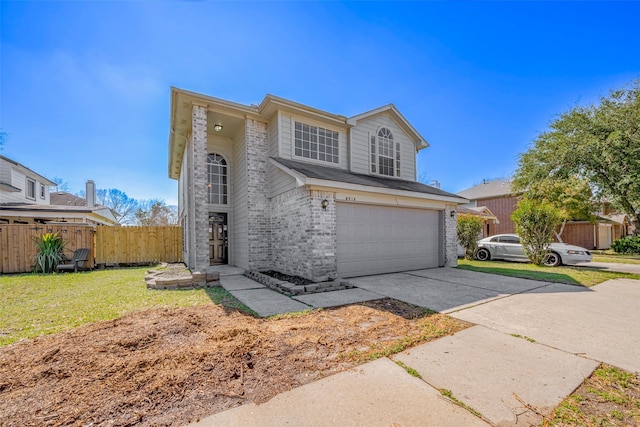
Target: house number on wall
350,199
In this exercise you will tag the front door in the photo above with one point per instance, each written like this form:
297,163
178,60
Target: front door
218,241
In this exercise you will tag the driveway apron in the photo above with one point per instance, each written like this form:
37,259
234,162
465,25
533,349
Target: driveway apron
599,322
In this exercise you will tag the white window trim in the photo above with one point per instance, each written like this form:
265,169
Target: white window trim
397,168
26,190
303,121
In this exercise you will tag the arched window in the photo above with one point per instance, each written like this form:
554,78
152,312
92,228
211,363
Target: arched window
385,154
217,174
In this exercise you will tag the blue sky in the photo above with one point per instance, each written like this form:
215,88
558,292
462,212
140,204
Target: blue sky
84,86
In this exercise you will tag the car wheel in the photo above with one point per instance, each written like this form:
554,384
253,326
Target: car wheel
483,255
552,259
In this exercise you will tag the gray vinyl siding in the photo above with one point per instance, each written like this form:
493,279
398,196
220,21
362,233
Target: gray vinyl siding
239,196
360,161
286,138
273,137
279,181
361,140
19,180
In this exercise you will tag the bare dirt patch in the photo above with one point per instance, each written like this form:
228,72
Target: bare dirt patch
173,366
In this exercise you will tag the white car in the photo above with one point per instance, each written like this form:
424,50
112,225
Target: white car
508,247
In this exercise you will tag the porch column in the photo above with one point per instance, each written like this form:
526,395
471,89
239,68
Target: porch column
450,236
199,250
258,208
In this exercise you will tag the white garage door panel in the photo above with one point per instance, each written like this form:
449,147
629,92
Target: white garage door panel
382,239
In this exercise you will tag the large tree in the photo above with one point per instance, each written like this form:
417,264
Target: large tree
156,212
124,206
572,196
594,149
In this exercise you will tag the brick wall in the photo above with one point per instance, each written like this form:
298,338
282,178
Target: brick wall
324,262
502,208
198,216
303,234
450,237
579,234
258,207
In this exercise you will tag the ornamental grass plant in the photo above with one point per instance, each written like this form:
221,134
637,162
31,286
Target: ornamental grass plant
50,249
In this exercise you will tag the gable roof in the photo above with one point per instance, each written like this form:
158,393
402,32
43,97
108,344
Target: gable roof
313,171
391,109
63,198
481,211
26,171
487,190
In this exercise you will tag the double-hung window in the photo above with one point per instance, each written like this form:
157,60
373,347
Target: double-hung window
316,143
31,189
385,154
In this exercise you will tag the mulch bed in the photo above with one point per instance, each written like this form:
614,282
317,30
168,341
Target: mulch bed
296,280
173,366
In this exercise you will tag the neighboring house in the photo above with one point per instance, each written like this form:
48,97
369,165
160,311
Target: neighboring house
288,187
25,198
496,195
21,185
485,214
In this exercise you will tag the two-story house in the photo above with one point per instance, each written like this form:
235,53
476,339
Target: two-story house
25,198
288,187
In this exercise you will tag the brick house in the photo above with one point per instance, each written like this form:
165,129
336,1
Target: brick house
496,195
288,187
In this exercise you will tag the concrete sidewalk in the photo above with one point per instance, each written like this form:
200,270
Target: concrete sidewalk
378,393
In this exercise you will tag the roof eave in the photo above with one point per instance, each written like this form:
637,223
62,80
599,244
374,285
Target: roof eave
271,103
381,190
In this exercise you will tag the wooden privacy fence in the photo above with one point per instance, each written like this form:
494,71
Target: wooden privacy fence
18,250
107,245
132,245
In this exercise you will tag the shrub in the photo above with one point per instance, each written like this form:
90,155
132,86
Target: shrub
50,252
627,245
535,222
469,227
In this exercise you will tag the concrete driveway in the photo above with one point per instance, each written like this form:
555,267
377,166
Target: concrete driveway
533,344
599,323
448,289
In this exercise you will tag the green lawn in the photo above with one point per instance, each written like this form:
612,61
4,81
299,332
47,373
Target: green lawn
571,275
37,304
610,256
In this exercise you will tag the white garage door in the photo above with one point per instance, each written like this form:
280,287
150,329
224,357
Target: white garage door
381,239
